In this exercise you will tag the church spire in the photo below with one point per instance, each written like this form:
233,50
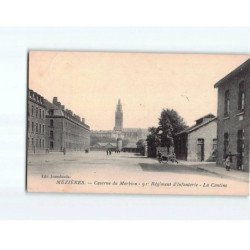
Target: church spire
119,105
118,117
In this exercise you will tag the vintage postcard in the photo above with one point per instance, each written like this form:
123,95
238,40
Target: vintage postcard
138,123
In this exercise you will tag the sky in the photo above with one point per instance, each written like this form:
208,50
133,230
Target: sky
90,84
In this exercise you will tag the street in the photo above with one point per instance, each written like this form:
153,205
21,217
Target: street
126,173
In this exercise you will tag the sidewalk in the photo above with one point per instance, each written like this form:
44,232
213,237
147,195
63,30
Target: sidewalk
221,171
212,168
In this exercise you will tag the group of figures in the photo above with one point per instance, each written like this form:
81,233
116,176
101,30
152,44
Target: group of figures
109,152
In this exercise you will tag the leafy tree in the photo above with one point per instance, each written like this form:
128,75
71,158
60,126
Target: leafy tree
170,123
141,146
153,141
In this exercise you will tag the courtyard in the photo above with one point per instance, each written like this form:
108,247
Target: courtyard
128,173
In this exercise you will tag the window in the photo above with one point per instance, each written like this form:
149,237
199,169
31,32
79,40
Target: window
32,142
40,143
40,128
32,126
51,134
28,125
51,112
36,112
32,110
200,141
43,143
227,102
241,97
51,123
43,129
214,144
43,113
51,145
40,113
226,144
37,128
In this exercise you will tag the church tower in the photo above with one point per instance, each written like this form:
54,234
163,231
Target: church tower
118,117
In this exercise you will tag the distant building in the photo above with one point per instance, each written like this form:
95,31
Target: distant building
104,146
129,134
199,142
104,134
134,134
130,147
234,117
36,122
65,129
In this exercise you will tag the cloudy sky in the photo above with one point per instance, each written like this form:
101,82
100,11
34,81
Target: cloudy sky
90,84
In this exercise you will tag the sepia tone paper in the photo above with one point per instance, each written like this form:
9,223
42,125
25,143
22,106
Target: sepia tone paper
89,114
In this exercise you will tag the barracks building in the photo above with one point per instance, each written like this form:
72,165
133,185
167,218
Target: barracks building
51,127
234,117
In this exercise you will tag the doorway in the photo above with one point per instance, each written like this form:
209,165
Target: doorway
240,149
200,149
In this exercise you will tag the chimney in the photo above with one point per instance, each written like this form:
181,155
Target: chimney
83,120
55,100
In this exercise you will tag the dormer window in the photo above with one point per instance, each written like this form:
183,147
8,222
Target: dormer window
51,112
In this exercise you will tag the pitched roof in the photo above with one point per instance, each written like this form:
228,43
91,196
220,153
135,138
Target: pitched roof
206,116
242,67
196,126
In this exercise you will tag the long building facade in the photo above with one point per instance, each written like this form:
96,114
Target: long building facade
65,129
36,122
234,117
51,127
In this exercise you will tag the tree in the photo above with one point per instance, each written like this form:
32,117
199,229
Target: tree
170,123
141,146
153,141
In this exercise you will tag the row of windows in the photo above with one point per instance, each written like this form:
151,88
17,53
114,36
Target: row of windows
36,112
68,145
37,143
36,127
241,99
38,98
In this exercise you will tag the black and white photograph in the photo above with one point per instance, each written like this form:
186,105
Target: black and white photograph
138,123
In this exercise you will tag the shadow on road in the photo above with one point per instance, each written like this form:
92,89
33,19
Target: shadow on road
125,156
171,168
